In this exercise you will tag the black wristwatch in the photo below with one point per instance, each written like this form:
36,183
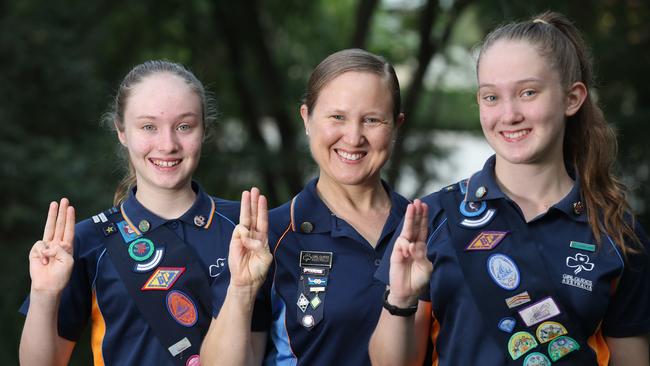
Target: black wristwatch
394,310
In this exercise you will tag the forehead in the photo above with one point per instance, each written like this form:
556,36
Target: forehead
162,92
356,87
512,60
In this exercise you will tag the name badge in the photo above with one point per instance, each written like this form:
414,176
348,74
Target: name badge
319,259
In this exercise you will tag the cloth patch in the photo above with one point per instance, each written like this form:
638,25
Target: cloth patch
520,343
503,271
182,308
518,299
163,278
127,232
548,331
141,249
562,346
151,263
487,240
539,311
479,222
537,359
582,246
507,324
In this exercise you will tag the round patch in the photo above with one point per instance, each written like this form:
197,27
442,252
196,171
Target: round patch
507,324
537,359
182,308
547,331
141,249
520,343
503,271
562,346
194,360
472,209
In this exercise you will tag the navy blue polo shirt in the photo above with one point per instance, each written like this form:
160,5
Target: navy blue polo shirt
96,293
321,301
502,288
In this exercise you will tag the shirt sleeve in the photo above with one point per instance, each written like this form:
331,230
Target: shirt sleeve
628,313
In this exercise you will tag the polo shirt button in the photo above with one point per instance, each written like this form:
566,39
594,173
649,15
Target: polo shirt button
377,262
306,227
173,224
480,192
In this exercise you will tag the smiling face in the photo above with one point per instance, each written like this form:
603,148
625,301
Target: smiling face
523,104
351,128
163,132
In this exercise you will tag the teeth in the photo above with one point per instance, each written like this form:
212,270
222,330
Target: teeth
165,164
515,135
349,156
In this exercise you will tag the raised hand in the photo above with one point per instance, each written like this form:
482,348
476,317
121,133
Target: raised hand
410,269
249,257
50,259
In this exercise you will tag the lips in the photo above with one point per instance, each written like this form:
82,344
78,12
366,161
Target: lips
165,163
349,155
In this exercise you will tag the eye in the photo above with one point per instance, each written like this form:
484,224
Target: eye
149,127
337,117
490,98
184,127
529,93
373,120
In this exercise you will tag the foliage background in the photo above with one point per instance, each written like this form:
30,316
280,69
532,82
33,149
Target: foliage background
62,59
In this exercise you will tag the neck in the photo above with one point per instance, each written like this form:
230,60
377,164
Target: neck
341,199
534,187
166,203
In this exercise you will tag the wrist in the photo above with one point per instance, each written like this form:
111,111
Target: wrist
400,306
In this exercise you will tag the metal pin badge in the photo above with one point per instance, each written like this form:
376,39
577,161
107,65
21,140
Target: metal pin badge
199,220
480,192
306,227
144,226
578,208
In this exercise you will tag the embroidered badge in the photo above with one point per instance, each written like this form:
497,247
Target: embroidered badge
316,281
582,246
547,331
127,232
472,209
487,240
319,259
163,278
218,268
302,302
504,271
537,359
517,300
480,221
194,360
141,249
151,263
109,229
182,308
562,346
520,343
507,324
539,311
579,262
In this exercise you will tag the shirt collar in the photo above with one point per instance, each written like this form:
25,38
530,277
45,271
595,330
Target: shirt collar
309,214
485,180
141,219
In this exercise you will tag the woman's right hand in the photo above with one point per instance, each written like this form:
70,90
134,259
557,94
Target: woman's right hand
50,259
249,258
410,269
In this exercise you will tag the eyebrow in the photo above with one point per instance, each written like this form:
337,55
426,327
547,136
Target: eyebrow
183,115
522,81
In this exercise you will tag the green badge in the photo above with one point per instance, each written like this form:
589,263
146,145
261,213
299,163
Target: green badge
582,246
141,249
144,226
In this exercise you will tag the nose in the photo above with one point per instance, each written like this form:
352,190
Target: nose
511,112
353,133
168,141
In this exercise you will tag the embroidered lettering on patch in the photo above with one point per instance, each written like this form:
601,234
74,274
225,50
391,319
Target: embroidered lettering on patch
486,240
320,259
578,282
163,278
182,308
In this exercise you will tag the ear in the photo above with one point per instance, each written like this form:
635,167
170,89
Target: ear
575,97
304,113
120,133
400,120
